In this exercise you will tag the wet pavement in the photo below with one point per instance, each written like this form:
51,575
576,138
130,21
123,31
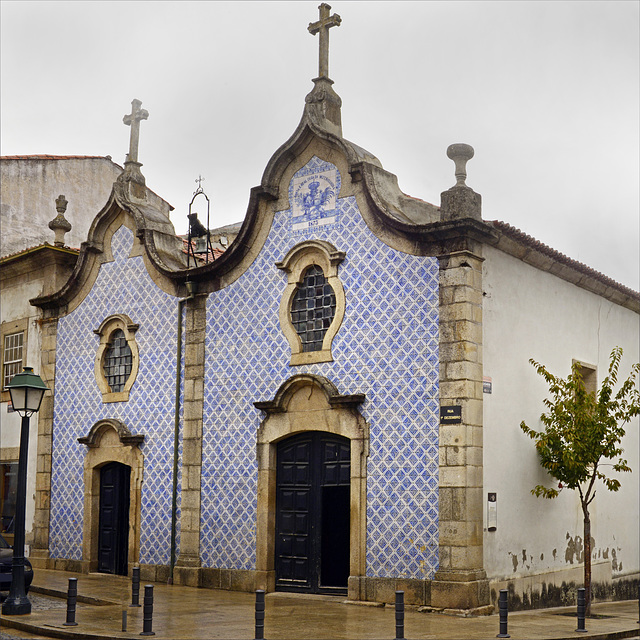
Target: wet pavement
191,613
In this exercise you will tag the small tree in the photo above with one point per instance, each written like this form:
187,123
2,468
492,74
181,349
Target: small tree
581,431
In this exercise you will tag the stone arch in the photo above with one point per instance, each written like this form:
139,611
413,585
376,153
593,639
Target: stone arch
109,440
308,402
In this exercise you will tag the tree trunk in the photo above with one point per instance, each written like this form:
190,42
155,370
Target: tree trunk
587,563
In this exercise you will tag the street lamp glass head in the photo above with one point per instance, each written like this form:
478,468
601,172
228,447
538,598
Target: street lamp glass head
26,390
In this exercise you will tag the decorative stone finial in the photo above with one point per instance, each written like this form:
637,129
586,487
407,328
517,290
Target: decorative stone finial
460,201
132,176
60,225
460,153
322,27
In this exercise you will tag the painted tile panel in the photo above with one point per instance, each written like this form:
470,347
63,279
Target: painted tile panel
386,348
122,286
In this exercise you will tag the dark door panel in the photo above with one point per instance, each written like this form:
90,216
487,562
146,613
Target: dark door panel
313,480
113,521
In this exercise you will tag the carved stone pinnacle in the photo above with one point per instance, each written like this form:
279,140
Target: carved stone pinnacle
60,225
460,153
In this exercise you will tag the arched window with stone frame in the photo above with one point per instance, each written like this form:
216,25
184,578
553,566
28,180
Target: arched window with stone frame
313,303
116,363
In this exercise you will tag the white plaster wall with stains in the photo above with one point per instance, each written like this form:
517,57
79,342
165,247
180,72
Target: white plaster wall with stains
14,303
528,313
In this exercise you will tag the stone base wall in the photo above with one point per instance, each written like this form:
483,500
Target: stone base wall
560,588
416,592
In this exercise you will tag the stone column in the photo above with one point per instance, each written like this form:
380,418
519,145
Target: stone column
460,582
187,569
40,547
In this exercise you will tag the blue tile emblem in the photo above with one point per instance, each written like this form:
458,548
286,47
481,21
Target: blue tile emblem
314,200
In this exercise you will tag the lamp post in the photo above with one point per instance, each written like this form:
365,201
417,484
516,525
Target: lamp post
26,390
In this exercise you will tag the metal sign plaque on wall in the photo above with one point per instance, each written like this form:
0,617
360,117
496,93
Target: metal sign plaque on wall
450,415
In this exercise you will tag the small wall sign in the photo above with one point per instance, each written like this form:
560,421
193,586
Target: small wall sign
451,414
487,385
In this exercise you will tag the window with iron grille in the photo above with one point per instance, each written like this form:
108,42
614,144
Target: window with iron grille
117,361
313,308
12,357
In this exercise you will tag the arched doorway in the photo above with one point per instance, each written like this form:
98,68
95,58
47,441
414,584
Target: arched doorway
310,406
313,480
113,518
113,469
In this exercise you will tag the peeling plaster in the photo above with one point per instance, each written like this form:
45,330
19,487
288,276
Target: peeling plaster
615,565
574,550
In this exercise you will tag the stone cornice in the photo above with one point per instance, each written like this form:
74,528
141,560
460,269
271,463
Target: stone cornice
335,399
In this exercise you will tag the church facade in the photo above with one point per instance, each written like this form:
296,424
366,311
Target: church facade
327,406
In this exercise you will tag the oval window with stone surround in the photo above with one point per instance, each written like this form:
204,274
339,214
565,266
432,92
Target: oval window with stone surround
313,308
313,302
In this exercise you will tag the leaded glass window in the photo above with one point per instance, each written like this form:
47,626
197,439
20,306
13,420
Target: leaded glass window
117,361
313,308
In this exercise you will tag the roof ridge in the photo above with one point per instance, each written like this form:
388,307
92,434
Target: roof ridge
518,234
48,156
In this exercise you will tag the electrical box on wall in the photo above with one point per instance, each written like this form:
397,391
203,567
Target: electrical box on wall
492,512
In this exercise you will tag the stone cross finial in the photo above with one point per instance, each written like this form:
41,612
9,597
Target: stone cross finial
199,180
460,154
60,225
133,120
322,27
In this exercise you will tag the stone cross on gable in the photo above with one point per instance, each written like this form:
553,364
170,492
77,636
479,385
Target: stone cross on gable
133,120
322,27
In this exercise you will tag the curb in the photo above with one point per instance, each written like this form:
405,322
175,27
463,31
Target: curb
56,593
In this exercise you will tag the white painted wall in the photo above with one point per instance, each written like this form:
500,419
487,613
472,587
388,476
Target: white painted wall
529,313
14,302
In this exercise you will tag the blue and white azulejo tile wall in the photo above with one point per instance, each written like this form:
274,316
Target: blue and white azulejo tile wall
386,348
122,286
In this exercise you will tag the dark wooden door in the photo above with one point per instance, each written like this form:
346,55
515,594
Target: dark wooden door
313,478
113,522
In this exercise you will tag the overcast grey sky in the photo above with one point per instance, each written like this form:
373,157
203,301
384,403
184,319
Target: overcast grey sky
546,92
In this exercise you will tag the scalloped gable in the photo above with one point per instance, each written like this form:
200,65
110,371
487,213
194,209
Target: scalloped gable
154,238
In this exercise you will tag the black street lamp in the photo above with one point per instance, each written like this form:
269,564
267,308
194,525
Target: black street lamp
26,390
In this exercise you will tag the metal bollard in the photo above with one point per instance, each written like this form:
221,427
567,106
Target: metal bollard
399,615
72,599
581,610
259,614
503,607
147,611
135,587
124,619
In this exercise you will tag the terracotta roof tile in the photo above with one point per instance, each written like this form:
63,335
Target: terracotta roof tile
46,156
202,258
35,247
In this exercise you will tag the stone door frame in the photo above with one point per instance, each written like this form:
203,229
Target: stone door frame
310,403
109,440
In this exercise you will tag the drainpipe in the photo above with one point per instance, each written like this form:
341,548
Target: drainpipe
191,293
